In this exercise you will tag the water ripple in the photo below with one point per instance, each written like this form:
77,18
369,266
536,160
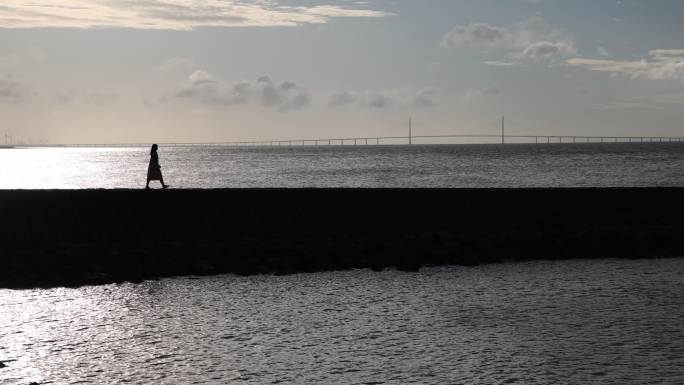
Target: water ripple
589,322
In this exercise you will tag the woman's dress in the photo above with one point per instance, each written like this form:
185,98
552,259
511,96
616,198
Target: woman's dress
154,170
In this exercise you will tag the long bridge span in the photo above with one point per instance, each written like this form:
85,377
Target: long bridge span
403,140
502,137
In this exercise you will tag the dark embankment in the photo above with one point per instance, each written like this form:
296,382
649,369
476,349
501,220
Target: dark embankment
56,238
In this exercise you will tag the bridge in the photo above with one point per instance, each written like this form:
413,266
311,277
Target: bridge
393,140
502,137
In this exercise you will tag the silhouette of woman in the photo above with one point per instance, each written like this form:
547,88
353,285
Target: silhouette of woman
154,169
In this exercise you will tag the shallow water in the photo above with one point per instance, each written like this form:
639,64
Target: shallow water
555,165
600,321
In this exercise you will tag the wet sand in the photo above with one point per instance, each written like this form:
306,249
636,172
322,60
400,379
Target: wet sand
77,237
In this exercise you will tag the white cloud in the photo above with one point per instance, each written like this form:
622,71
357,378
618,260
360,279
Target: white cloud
167,14
200,77
602,51
531,39
661,64
547,50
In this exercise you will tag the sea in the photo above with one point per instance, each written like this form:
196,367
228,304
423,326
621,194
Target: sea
562,322
605,321
440,166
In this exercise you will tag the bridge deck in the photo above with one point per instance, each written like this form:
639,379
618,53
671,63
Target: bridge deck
393,140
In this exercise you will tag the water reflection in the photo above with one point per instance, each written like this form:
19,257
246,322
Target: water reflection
625,164
533,323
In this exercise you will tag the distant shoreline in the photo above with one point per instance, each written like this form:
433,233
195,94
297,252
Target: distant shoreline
348,144
54,238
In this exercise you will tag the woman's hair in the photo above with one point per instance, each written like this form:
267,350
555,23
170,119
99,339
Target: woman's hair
154,148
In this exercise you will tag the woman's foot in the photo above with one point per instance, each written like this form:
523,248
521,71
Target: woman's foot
165,186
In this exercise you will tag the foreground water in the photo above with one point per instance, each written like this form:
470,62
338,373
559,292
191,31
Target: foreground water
555,165
601,321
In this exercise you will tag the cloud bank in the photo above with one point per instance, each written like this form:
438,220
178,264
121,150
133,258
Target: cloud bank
203,88
168,14
661,64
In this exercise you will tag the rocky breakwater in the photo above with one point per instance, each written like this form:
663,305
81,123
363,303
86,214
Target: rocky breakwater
77,237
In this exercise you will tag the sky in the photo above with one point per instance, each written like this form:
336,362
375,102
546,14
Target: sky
139,71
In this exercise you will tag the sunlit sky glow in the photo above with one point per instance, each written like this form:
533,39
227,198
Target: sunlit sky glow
105,71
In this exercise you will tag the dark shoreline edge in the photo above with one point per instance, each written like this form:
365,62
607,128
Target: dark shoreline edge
51,238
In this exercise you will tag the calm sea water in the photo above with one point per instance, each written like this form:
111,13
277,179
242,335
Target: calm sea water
558,165
569,322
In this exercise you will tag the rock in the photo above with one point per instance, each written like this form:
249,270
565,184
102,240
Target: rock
69,238
2,365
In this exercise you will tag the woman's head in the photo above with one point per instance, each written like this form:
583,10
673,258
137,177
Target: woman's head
154,148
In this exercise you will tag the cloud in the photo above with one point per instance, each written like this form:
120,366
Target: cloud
661,64
366,100
377,101
11,90
500,63
475,34
482,93
169,14
98,99
24,56
651,102
547,50
202,87
176,65
666,99
518,36
200,77
285,96
66,96
423,98
342,99
629,105
602,51
531,39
